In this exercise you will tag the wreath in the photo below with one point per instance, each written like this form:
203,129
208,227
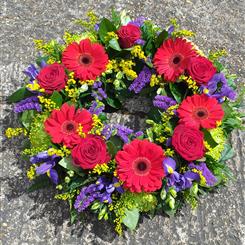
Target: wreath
110,169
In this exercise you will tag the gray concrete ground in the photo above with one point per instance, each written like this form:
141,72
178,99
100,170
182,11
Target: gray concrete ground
39,219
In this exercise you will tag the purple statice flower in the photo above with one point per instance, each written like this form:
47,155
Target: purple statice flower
31,103
138,134
139,21
47,166
170,30
218,88
141,81
97,84
96,108
98,93
31,71
210,179
163,102
101,191
96,27
140,42
107,131
174,179
123,132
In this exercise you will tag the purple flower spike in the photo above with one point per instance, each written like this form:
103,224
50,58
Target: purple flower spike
141,81
163,102
123,132
31,71
31,103
138,21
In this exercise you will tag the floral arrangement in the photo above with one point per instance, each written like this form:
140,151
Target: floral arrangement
111,170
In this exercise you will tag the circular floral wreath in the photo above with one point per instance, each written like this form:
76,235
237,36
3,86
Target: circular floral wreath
108,168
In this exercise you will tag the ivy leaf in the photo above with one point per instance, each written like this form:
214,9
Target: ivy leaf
40,182
176,92
57,98
161,37
105,27
114,144
27,118
113,43
227,153
66,162
131,219
115,103
19,95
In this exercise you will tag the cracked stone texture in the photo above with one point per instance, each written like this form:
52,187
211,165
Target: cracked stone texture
37,218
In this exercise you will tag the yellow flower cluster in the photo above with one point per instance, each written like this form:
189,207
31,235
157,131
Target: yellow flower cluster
138,52
161,139
48,104
202,178
155,80
63,151
31,173
169,152
126,67
101,168
214,55
97,125
88,82
33,151
183,33
65,196
190,82
35,86
110,35
13,132
80,130
93,19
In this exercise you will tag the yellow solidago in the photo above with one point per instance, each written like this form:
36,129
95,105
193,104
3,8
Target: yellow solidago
48,104
110,35
93,19
190,83
202,178
35,86
169,152
215,55
97,125
31,173
183,33
13,132
88,82
155,80
104,168
80,130
65,196
62,152
126,67
138,52
33,151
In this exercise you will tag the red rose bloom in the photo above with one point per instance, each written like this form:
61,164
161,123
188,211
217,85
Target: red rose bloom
87,60
90,152
62,125
171,58
52,77
128,35
188,142
200,69
200,110
140,166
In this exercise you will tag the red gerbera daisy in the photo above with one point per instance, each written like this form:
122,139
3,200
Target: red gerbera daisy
62,125
171,58
140,166
87,60
200,110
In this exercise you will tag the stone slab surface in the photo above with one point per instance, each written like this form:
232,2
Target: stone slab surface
37,219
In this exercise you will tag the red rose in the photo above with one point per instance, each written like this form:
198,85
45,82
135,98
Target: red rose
89,152
188,142
128,35
52,77
201,69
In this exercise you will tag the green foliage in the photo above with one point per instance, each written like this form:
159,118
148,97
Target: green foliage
105,27
176,91
113,43
27,118
227,153
66,163
131,218
208,137
40,182
161,37
113,102
115,18
57,98
114,144
19,95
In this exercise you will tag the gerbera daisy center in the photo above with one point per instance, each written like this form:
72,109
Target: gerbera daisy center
201,113
176,60
69,127
141,166
85,59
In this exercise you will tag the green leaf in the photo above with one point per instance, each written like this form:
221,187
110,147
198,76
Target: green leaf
113,43
56,98
208,137
66,162
218,66
227,153
19,95
115,103
105,27
114,144
27,118
131,219
176,92
154,115
78,181
40,182
115,17
73,215
161,37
